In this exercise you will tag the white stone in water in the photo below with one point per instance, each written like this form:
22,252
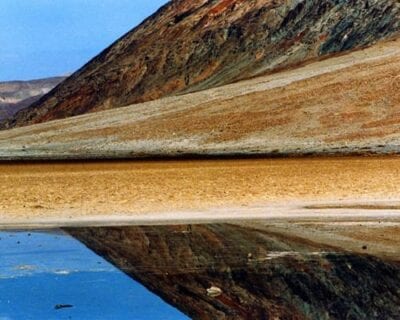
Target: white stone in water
214,292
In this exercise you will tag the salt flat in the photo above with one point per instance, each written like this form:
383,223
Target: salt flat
149,191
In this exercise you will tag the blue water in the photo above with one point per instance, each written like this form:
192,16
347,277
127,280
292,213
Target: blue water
39,271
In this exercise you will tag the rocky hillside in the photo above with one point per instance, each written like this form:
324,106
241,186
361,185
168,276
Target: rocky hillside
190,45
346,104
236,272
17,95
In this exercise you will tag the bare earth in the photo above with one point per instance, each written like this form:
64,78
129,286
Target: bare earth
264,188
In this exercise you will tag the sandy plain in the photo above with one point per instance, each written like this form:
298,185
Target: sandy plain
119,192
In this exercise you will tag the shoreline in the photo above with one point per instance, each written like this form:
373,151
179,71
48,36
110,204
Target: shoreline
359,211
198,158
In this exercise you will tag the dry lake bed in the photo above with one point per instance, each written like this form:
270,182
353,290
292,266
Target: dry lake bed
151,192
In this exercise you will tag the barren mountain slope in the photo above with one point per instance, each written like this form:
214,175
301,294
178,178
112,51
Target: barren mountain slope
16,95
190,45
344,104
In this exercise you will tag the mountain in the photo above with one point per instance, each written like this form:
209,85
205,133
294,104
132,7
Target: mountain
191,45
17,95
346,104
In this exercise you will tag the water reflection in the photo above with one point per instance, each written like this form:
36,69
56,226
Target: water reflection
240,272
53,276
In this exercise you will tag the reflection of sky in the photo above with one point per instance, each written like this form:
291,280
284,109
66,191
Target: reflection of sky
42,38
39,271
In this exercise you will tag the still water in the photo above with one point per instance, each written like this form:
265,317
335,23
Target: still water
211,271
47,276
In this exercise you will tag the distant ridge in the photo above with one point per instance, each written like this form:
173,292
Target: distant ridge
17,95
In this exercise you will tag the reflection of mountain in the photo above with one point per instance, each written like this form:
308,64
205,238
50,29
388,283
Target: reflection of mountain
262,275
190,45
17,95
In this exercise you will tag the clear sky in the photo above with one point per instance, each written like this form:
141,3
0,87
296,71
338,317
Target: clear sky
43,38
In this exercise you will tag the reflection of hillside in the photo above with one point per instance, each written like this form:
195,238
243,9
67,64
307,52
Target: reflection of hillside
262,275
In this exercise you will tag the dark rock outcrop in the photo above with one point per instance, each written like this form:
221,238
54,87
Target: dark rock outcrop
190,45
234,272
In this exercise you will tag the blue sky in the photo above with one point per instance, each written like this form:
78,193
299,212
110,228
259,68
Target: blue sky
42,38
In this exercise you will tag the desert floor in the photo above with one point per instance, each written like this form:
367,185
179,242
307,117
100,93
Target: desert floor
173,191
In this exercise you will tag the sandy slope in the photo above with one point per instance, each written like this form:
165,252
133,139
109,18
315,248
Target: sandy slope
344,104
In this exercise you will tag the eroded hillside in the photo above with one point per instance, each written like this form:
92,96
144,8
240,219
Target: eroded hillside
194,45
345,104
